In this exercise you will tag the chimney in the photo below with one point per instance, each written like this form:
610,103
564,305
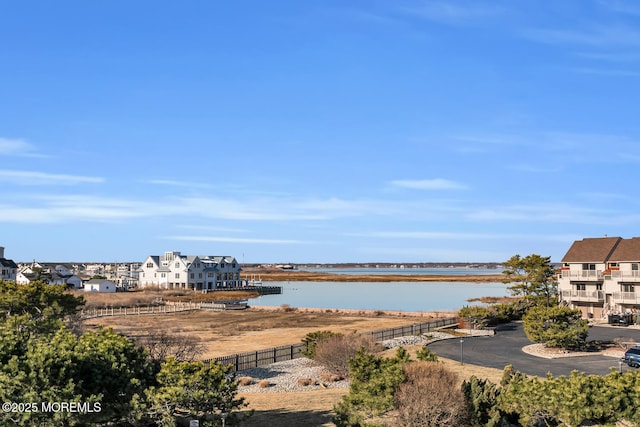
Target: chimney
1,251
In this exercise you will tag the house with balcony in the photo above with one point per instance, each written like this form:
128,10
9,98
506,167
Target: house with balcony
600,276
197,272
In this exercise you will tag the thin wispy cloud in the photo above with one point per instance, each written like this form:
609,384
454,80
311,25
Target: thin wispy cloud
453,235
237,240
534,169
17,147
598,36
486,142
607,72
183,184
41,178
461,12
71,207
428,184
620,57
52,209
424,235
213,228
558,213
630,7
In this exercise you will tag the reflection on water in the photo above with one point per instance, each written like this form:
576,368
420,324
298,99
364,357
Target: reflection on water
400,296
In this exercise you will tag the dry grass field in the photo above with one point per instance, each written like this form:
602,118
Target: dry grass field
230,332
271,274
150,296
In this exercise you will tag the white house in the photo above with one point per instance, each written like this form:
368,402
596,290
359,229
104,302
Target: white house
53,274
8,268
99,285
198,272
601,276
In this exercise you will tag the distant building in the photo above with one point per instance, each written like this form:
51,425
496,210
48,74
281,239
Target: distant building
50,273
198,272
8,268
601,276
99,285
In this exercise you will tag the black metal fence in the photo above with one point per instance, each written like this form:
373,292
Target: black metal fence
254,359
415,329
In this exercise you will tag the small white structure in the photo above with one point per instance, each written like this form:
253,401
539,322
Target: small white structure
8,268
99,285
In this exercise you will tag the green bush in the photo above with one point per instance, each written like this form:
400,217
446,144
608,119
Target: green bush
481,396
426,355
556,326
374,381
474,311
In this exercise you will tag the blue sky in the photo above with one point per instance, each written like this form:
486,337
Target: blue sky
317,131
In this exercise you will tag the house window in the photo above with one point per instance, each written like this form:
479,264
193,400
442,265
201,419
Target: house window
192,275
581,287
233,265
627,288
598,286
588,267
222,265
163,275
634,266
199,275
209,274
149,265
177,275
177,265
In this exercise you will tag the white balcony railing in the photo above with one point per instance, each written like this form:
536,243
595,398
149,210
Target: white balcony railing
626,297
625,275
588,296
582,274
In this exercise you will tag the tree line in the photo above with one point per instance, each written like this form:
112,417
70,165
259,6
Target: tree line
109,379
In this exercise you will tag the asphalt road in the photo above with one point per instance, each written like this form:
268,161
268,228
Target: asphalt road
505,348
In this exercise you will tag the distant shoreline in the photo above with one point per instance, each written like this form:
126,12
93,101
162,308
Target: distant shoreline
432,314
274,275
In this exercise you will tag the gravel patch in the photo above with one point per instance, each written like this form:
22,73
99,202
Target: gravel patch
292,375
416,339
289,376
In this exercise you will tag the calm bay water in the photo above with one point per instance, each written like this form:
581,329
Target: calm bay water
408,271
401,296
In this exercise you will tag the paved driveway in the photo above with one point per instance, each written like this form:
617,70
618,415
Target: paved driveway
505,348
